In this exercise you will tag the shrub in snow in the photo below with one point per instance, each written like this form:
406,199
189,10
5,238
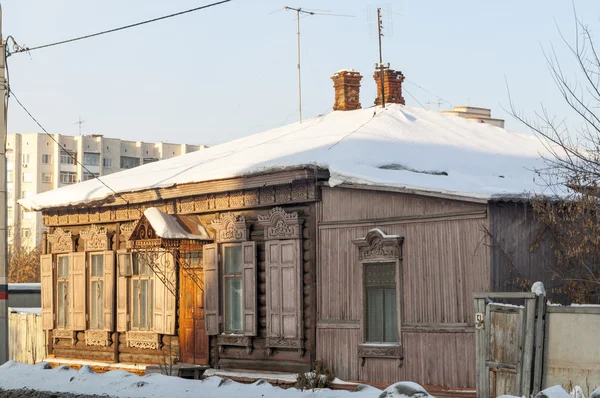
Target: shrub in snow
319,377
405,389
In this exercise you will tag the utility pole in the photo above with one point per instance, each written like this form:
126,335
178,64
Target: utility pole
381,68
3,210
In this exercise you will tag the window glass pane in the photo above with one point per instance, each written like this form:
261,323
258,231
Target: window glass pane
136,303
233,304
94,304
374,315
61,303
390,328
100,294
233,259
63,267
380,290
144,304
97,264
150,304
66,309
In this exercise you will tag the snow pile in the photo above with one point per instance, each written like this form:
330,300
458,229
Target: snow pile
119,383
405,389
400,146
538,289
24,310
596,393
167,227
555,392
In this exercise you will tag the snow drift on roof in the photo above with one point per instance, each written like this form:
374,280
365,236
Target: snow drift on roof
167,226
470,159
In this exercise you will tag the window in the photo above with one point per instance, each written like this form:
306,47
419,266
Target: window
67,177
63,316
91,159
380,290
46,177
27,177
46,159
150,160
26,233
142,291
67,157
25,158
96,291
232,280
89,176
107,162
129,162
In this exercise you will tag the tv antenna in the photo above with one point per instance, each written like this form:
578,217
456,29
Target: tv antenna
80,123
306,12
439,103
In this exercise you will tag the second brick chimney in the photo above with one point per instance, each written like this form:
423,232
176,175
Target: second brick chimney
346,83
392,83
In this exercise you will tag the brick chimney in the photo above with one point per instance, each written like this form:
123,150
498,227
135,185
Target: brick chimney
346,83
392,83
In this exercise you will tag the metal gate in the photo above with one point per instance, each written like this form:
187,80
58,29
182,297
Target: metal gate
509,340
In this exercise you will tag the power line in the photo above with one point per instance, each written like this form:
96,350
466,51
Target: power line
64,150
20,49
424,89
413,97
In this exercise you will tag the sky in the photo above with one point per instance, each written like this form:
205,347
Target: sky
230,71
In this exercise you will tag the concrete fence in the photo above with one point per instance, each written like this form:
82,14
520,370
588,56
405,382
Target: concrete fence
27,340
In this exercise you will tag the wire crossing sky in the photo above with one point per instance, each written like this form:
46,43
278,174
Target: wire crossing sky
229,71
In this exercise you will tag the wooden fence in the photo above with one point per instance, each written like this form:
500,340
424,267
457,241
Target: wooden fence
27,340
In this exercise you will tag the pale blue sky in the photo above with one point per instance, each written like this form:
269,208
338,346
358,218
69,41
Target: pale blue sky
229,71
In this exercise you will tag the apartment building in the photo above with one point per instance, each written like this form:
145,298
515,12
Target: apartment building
36,163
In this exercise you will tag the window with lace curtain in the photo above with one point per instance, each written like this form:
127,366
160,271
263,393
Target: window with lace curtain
381,324
96,291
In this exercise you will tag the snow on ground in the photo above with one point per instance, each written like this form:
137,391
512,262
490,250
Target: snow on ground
399,146
119,383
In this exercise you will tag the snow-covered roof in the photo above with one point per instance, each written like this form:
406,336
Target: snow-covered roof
24,286
398,146
167,227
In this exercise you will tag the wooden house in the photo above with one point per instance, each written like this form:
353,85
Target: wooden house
357,238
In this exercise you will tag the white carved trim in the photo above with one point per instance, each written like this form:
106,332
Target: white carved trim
280,225
377,245
95,238
64,334
62,241
144,340
99,338
230,228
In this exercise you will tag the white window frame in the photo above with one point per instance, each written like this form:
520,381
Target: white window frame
46,158
138,277
99,281
232,275
65,280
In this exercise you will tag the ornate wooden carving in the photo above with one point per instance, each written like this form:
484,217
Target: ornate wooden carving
144,340
230,228
280,225
251,198
127,230
277,342
64,334
62,241
235,341
201,203
236,199
378,245
143,230
187,205
267,195
283,193
393,351
100,338
299,192
95,238
222,200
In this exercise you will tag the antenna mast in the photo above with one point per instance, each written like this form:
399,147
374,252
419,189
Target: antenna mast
80,122
381,67
307,12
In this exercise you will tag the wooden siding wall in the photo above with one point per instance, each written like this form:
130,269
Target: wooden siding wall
281,360
518,256
27,339
445,260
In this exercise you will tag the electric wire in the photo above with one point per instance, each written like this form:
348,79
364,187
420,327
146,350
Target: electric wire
62,149
413,97
20,49
424,89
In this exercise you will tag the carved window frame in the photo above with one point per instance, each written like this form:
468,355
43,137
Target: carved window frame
378,247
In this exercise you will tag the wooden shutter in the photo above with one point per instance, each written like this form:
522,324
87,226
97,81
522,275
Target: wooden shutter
109,290
284,289
122,294
47,279
169,326
273,253
249,287
159,296
78,290
211,289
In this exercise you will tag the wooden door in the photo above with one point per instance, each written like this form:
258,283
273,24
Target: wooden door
192,335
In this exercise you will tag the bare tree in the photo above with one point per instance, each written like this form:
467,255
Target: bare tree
572,167
23,261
